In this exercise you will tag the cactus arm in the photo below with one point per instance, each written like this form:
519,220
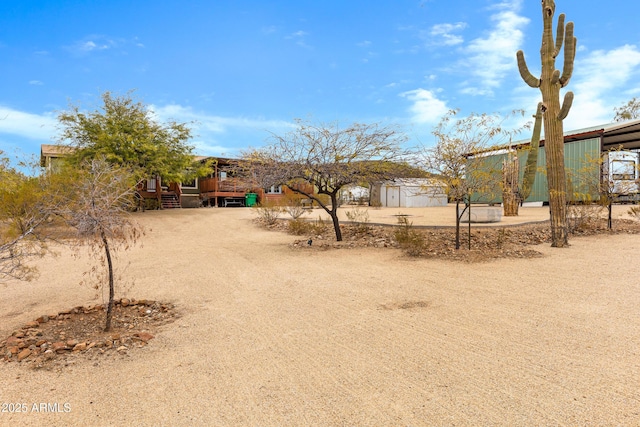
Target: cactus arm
529,177
566,105
559,35
528,78
555,77
569,55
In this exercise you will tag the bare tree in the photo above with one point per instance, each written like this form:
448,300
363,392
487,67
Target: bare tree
458,158
316,160
628,111
99,210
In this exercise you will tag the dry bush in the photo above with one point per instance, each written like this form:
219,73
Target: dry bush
268,212
412,242
634,211
359,216
292,204
584,217
299,227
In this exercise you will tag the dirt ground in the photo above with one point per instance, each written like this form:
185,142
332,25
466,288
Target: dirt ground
270,335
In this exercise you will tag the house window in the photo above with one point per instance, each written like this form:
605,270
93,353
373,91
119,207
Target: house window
623,169
193,184
151,185
274,189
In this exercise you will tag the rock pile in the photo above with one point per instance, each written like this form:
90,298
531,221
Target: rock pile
80,331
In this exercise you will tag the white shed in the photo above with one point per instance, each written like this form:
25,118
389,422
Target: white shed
409,193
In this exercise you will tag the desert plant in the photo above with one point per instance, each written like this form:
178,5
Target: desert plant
515,192
292,204
412,242
268,212
634,211
319,226
583,216
299,227
550,82
359,216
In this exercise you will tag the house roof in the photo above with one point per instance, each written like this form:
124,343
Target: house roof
52,151
613,135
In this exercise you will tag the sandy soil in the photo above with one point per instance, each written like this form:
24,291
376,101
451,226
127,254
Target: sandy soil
273,336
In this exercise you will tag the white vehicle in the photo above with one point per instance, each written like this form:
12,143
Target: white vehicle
622,170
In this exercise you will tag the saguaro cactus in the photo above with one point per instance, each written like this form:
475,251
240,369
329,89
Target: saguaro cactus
530,168
550,83
513,191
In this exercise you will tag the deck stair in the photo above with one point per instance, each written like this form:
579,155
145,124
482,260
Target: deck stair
170,201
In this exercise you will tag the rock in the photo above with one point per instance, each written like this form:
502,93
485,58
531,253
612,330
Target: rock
12,341
115,337
42,319
13,350
142,302
122,349
39,343
80,346
24,354
49,354
71,343
18,334
33,324
125,302
58,346
144,336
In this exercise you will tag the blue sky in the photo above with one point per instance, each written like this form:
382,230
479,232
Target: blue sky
242,69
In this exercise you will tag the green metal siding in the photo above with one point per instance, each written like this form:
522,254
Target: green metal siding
577,155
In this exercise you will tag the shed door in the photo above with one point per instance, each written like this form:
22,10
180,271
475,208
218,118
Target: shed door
393,197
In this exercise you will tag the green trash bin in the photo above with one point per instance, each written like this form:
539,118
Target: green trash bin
250,199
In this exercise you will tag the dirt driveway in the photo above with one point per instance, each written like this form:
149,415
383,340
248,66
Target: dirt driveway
275,336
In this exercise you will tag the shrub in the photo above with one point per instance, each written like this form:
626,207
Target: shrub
299,227
268,212
634,211
582,217
412,242
292,204
361,217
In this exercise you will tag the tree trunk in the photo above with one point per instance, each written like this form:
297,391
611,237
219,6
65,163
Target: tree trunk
105,242
334,217
458,224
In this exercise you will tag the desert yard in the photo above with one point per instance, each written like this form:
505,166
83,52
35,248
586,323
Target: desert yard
271,335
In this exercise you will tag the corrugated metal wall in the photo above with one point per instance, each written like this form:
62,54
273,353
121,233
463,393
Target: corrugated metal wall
580,167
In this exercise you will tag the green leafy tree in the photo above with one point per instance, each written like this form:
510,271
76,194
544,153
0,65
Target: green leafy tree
125,132
25,207
317,161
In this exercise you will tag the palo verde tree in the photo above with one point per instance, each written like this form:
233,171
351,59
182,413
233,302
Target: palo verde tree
26,205
458,159
628,111
321,159
126,133
550,82
98,209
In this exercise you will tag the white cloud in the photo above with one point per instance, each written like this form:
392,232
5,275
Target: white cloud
96,43
492,57
35,82
210,131
27,125
426,108
443,34
601,82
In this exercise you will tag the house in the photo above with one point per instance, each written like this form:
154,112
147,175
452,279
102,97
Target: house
409,193
228,184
